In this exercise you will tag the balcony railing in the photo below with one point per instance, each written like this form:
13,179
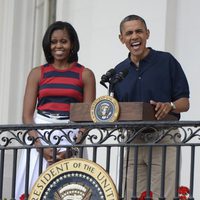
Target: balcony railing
107,145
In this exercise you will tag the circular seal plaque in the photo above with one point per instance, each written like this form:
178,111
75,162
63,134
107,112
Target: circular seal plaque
104,109
74,179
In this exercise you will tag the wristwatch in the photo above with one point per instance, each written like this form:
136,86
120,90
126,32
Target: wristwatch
173,106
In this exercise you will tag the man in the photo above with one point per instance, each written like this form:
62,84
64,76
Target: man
157,78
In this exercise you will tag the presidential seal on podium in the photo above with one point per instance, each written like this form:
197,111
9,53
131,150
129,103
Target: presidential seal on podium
74,179
104,109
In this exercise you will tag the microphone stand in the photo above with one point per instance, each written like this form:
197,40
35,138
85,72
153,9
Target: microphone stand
117,78
110,89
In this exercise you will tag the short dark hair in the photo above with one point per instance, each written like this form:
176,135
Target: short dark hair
130,18
46,43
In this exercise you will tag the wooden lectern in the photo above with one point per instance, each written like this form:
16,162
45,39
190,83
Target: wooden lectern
129,111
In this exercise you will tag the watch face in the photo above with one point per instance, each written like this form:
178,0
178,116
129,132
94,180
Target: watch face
104,109
173,106
74,179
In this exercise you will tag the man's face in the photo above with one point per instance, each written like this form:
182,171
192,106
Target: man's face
134,35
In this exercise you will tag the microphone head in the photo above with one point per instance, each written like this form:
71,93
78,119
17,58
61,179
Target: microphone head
103,83
120,76
125,72
106,77
110,72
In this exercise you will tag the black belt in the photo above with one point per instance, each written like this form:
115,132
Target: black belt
53,115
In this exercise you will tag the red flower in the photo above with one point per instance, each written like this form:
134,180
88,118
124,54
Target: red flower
144,194
183,198
183,192
22,197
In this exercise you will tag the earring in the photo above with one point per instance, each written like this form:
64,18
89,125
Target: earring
71,52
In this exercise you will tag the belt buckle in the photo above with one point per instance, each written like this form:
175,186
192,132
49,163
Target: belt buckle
54,116
57,116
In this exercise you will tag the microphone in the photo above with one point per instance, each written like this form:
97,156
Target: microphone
117,78
106,77
120,76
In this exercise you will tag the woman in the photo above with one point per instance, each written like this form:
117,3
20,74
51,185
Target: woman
49,91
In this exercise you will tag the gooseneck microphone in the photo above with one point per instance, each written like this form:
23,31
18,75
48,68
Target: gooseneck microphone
106,78
113,78
117,78
120,76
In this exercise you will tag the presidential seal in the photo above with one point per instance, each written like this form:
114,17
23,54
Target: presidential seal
104,109
74,179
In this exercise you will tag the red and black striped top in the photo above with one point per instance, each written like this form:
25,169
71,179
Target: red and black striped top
59,88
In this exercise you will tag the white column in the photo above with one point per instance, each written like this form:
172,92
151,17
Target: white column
23,23
6,22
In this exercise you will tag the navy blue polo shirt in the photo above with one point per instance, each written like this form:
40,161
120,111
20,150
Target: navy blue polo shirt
159,77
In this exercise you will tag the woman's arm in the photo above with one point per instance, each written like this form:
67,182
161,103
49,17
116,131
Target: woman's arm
89,96
29,106
30,96
30,99
89,87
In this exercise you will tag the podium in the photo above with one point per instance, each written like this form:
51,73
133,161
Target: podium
128,111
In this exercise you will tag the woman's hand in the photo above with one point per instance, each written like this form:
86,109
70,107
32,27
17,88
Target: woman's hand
47,152
82,134
61,155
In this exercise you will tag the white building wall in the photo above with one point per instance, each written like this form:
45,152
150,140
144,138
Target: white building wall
6,22
97,24
187,51
19,37
174,26
22,26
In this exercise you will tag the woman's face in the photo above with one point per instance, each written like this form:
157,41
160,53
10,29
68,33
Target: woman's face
60,45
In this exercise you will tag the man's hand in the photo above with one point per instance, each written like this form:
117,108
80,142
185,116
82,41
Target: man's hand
161,108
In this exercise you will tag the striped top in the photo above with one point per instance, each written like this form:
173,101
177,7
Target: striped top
58,88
